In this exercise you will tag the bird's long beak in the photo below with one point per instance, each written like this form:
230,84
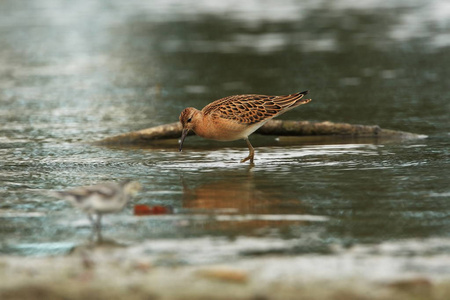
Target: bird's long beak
183,136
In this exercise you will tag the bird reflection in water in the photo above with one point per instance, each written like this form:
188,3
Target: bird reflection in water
240,206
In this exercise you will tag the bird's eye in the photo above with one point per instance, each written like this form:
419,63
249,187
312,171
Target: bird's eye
189,120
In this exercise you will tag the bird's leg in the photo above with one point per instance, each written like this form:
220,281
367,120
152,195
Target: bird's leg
98,227
94,226
251,153
91,219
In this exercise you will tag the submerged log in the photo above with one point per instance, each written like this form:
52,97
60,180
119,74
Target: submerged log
272,127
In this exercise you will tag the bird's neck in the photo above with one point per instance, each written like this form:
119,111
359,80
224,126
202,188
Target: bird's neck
201,126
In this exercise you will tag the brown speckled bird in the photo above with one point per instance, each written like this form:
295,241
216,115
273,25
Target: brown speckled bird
236,117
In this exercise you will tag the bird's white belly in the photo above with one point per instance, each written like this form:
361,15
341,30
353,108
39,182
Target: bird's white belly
228,131
98,204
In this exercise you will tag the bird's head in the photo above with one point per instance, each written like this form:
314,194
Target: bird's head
188,119
131,187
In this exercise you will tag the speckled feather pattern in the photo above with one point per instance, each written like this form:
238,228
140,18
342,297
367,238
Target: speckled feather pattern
102,198
250,109
106,190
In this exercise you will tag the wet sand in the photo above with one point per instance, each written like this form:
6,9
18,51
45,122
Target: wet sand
111,272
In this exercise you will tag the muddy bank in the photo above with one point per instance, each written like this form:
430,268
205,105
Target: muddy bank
112,272
272,127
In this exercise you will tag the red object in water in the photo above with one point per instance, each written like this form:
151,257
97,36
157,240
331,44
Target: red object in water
145,210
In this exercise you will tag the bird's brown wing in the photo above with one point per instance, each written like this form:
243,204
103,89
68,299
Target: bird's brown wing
104,190
250,109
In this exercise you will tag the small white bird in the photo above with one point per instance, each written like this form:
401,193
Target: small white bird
104,198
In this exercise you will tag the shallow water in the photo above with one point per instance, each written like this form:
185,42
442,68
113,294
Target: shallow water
73,73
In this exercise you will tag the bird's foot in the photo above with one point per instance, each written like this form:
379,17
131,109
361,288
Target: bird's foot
250,157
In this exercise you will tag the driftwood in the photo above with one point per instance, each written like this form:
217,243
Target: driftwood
272,127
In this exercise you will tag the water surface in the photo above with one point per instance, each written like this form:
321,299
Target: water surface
73,73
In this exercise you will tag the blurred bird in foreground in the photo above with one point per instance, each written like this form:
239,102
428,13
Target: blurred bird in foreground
236,117
100,199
